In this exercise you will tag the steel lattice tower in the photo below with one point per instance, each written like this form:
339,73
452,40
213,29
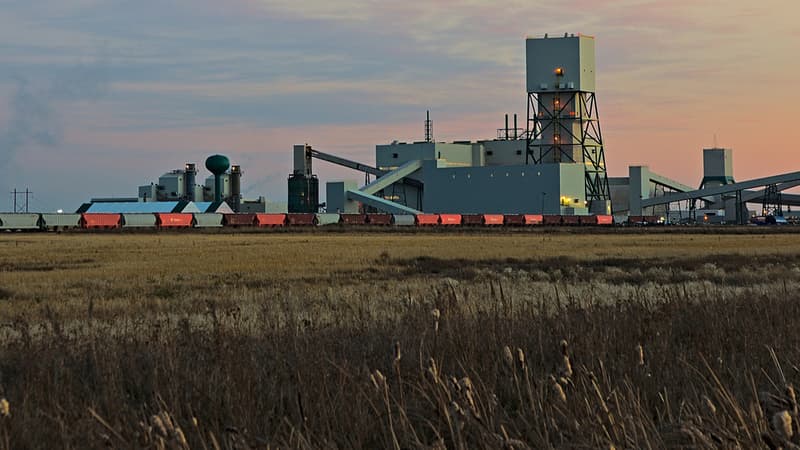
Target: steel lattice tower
563,120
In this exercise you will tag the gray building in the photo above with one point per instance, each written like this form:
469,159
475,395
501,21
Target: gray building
556,167
463,177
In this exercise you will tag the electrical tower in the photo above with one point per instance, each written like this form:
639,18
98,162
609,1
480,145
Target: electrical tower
772,204
21,207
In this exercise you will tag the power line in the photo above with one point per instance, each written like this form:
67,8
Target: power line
40,204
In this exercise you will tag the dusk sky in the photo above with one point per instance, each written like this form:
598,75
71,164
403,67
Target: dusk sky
98,97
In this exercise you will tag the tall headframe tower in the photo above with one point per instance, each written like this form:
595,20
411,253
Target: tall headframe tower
563,122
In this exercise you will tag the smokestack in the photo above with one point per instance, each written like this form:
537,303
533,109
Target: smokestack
506,126
236,187
189,181
515,126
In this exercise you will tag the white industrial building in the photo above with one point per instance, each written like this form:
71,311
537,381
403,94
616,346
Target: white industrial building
718,199
180,184
556,165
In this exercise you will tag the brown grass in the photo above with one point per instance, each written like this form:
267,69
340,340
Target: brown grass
399,341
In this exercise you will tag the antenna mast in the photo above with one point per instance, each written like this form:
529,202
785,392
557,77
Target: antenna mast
428,127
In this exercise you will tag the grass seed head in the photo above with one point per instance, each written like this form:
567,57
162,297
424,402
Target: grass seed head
397,354
433,370
465,384
640,355
181,438
566,367
168,423
710,405
5,408
158,424
374,382
457,409
380,378
466,388
790,394
782,425
521,358
558,390
508,357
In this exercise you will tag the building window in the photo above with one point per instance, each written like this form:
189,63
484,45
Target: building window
394,155
519,152
489,153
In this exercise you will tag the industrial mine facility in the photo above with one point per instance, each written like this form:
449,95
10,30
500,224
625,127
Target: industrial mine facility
552,171
555,166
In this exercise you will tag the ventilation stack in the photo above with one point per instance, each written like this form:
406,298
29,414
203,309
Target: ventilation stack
189,181
236,187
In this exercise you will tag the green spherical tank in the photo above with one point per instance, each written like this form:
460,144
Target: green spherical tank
218,164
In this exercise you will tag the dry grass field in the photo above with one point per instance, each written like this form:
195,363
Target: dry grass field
384,340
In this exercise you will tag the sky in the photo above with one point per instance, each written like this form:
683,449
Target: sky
100,96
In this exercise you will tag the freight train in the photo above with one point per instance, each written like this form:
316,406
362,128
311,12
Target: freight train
107,221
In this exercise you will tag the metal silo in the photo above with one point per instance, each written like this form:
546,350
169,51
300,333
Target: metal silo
189,180
303,184
303,193
236,187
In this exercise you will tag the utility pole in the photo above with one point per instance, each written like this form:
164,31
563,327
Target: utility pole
27,194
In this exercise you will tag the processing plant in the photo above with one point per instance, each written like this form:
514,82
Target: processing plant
551,170
556,165
178,190
181,184
222,188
